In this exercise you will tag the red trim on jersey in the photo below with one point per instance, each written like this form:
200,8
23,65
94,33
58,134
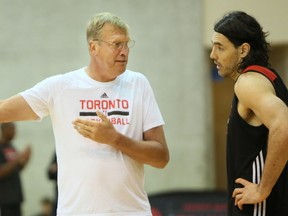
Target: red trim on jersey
272,76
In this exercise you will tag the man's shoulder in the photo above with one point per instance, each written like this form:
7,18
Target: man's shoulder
267,72
66,76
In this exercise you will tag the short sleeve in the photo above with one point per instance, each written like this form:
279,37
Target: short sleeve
40,97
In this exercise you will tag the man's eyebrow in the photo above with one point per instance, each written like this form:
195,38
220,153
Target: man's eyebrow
216,43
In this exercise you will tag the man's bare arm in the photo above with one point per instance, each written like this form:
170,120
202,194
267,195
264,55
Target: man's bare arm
16,108
258,94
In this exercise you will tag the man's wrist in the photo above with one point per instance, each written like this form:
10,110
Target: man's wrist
264,191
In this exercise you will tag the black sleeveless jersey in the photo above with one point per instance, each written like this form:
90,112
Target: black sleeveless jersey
246,153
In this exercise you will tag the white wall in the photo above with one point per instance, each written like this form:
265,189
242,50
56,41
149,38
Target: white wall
43,38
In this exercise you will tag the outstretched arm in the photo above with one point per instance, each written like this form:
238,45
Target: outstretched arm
16,108
152,150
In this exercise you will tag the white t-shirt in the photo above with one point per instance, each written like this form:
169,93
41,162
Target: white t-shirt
93,178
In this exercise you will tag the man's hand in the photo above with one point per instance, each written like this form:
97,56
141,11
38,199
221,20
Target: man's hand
152,150
249,194
101,132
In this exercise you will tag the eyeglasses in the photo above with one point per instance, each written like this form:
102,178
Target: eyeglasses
118,45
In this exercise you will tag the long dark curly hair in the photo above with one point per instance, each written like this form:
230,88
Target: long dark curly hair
239,28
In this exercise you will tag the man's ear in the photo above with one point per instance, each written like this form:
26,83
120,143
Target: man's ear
244,49
93,48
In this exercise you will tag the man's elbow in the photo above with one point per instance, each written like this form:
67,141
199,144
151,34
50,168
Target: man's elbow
163,163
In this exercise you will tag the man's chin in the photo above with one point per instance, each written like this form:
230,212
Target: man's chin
118,73
122,69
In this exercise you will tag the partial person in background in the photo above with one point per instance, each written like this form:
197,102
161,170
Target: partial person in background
107,126
11,164
52,175
257,134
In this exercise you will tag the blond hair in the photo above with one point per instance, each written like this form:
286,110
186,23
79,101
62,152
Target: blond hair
95,25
